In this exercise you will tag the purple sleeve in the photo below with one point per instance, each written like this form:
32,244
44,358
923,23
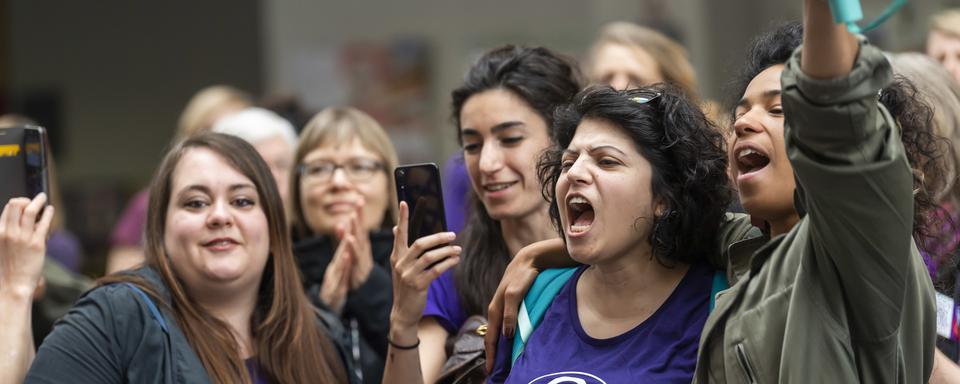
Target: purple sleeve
443,303
130,227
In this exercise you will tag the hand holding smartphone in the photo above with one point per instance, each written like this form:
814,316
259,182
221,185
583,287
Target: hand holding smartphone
419,186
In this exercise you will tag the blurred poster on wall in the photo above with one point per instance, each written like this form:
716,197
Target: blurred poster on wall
391,82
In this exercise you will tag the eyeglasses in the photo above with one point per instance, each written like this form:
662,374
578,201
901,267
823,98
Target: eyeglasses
355,170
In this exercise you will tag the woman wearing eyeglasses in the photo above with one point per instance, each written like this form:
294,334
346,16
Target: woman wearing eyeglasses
342,201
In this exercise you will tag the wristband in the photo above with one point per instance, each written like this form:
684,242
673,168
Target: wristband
404,347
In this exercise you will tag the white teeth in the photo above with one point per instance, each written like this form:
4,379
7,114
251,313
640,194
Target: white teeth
578,200
497,187
578,228
745,152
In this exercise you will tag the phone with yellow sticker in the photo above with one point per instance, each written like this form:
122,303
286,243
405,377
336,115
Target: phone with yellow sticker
23,162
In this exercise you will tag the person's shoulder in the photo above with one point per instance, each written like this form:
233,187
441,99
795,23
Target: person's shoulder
124,296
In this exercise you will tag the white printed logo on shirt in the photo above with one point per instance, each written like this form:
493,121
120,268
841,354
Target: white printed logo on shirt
571,377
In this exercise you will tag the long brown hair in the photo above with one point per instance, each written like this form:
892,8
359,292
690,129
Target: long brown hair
290,347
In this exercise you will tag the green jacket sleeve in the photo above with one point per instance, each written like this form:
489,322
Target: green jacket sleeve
856,187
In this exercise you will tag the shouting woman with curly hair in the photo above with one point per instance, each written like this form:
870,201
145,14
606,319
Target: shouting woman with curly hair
638,189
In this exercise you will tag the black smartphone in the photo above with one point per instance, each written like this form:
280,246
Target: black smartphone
419,186
23,162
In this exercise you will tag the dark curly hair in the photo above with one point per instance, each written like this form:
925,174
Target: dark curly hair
926,153
924,148
765,51
686,155
541,78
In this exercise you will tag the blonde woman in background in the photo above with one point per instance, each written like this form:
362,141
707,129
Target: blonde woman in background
627,56
943,42
204,109
342,198
208,106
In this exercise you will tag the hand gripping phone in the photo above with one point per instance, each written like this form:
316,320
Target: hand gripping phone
419,186
23,162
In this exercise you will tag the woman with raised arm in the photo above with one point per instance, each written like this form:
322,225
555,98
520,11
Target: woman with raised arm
839,292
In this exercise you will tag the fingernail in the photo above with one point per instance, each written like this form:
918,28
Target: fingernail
457,248
451,235
508,332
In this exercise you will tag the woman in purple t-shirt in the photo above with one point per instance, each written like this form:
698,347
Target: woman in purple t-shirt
503,112
638,189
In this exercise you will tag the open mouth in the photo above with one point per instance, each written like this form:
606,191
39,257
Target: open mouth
496,187
750,160
580,213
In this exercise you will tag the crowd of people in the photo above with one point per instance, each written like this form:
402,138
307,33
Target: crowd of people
616,227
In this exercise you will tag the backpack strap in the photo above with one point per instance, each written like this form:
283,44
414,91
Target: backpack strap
150,305
720,283
535,304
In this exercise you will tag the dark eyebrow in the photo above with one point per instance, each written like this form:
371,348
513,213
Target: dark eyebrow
602,147
595,149
496,128
768,94
204,189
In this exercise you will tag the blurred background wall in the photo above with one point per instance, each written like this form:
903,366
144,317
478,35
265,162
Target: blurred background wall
109,78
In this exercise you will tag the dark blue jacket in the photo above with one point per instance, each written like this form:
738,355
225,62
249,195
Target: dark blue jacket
115,334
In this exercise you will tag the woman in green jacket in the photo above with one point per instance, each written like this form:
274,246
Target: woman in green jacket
838,293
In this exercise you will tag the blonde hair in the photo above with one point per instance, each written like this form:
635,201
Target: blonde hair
672,59
337,126
942,93
205,105
947,22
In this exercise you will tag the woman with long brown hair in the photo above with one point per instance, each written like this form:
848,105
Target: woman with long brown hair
219,298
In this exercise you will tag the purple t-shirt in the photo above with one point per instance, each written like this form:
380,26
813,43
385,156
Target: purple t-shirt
256,374
443,303
662,349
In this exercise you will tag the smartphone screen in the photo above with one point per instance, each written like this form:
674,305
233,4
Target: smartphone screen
35,164
419,186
